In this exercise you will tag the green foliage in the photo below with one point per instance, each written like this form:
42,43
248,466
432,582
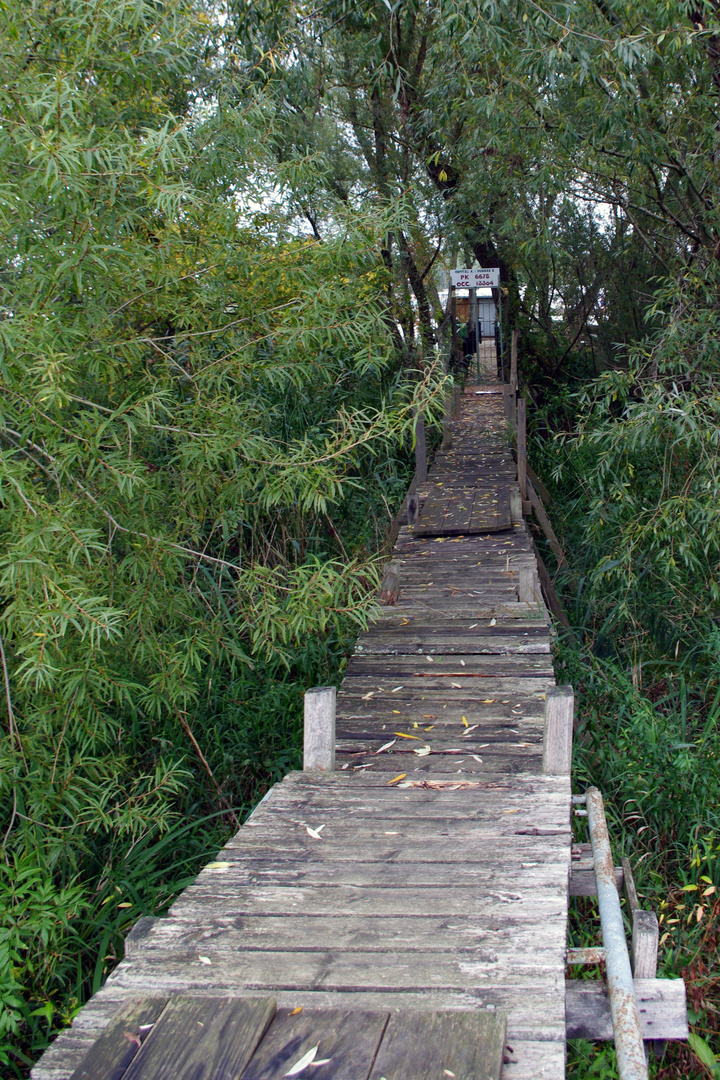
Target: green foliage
204,435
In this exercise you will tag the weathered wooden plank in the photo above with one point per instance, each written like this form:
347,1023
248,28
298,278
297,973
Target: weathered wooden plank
448,667
347,1041
661,1007
426,1046
340,900
434,933
110,1056
356,972
203,1039
534,1012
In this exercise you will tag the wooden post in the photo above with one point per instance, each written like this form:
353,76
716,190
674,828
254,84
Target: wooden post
644,949
516,512
557,741
319,730
528,584
390,584
420,450
514,361
412,505
453,326
447,427
456,398
645,930
522,446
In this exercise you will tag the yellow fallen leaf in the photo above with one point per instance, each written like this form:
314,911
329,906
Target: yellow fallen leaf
218,866
429,728
511,811
400,776
396,712
402,735
296,1011
464,720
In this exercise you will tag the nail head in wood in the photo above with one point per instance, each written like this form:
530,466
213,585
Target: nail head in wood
319,729
557,742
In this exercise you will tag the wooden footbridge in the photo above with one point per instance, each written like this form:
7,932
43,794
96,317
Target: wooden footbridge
399,910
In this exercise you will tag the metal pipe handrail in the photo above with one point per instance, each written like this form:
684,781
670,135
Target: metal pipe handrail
629,1045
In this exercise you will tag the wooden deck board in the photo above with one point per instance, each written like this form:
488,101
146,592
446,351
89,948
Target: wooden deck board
450,893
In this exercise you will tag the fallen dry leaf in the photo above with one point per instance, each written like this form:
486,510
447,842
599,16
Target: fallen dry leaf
402,735
303,1062
422,751
400,776
296,1011
386,746
315,833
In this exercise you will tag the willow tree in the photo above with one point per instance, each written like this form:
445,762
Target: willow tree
193,392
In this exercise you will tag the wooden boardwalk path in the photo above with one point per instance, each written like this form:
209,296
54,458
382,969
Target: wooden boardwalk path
430,870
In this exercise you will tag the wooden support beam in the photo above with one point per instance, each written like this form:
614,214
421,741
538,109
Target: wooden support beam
456,397
557,740
551,597
522,446
544,522
453,326
420,450
514,361
319,729
540,488
661,1006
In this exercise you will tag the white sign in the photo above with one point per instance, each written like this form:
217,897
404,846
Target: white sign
475,279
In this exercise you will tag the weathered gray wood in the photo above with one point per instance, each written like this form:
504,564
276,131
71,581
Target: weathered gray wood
420,450
390,585
522,447
661,1005
346,1039
138,934
319,729
528,585
553,601
544,522
514,360
644,947
203,1039
557,744
110,1056
515,506
582,882
540,488
430,1046
631,895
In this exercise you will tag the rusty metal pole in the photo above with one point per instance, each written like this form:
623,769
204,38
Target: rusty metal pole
629,1047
